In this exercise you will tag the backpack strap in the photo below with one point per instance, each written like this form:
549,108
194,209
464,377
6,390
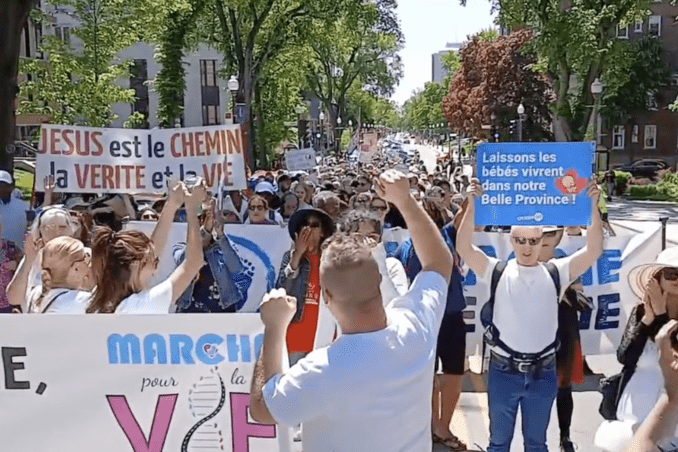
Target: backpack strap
494,282
53,300
555,276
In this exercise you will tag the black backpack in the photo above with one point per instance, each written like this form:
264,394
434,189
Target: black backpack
491,335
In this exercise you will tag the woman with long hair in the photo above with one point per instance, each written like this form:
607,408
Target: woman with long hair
66,278
127,262
51,222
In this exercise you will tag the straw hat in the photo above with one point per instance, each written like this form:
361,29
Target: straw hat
640,276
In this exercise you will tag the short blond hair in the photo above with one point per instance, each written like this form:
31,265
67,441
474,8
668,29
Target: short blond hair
345,251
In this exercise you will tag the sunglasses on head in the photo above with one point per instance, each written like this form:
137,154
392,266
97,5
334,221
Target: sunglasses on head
670,274
522,240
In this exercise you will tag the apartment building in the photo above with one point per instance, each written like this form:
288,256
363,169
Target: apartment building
438,72
652,133
206,99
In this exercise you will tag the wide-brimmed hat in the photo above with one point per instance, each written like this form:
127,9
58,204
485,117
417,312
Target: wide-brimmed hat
299,217
641,275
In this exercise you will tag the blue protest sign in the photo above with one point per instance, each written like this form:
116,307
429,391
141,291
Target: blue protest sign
534,184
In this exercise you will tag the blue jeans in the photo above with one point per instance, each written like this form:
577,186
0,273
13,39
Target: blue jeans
533,392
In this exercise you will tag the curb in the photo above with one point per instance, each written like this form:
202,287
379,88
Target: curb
673,242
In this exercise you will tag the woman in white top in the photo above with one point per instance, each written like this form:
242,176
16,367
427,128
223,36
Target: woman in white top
126,261
393,277
66,278
51,222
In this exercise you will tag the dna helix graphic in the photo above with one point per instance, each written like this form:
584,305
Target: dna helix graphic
206,400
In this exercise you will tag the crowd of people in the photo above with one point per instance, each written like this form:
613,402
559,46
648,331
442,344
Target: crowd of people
364,318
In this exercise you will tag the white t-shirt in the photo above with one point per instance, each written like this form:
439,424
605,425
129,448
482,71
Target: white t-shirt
13,217
156,300
66,301
526,304
371,391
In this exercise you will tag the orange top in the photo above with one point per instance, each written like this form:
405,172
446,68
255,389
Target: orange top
301,335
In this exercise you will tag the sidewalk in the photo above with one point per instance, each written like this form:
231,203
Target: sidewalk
636,216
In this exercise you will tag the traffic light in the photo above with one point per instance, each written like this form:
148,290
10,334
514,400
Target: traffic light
513,127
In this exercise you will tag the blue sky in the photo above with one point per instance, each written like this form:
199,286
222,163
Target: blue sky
428,25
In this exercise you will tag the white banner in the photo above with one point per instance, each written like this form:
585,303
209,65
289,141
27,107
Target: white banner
97,160
110,383
606,284
259,247
300,159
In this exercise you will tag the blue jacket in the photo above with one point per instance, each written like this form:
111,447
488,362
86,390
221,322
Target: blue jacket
225,270
455,291
295,283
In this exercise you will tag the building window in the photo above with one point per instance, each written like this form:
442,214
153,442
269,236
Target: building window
634,134
638,27
623,32
63,33
650,137
655,25
208,72
618,137
210,115
137,82
652,101
209,92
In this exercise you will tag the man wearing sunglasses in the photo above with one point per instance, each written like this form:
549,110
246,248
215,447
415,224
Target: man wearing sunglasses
523,328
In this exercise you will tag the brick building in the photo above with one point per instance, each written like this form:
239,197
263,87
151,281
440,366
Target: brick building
652,133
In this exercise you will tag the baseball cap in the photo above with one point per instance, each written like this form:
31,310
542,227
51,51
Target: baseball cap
5,177
265,187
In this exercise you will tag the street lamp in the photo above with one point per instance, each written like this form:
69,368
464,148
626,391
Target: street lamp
493,129
337,141
521,118
601,152
233,87
321,119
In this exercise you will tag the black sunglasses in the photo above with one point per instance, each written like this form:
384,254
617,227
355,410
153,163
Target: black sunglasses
670,274
523,240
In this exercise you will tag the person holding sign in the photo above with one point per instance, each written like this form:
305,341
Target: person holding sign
523,322
127,261
370,389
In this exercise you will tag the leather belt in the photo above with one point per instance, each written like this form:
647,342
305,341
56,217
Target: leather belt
523,366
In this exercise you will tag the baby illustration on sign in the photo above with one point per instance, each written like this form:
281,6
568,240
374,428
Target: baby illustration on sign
571,183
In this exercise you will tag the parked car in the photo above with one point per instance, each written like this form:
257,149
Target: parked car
644,168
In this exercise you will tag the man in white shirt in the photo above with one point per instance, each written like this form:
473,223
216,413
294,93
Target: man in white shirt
12,212
371,388
525,323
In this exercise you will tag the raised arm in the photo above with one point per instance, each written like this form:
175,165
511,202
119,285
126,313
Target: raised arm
183,275
18,287
162,228
393,186
471,254
583,259
661,424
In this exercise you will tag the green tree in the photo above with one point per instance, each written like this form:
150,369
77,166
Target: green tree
173,40
277,97
645,74
423,109
77,84
575,42
358,49
250,33
12,22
